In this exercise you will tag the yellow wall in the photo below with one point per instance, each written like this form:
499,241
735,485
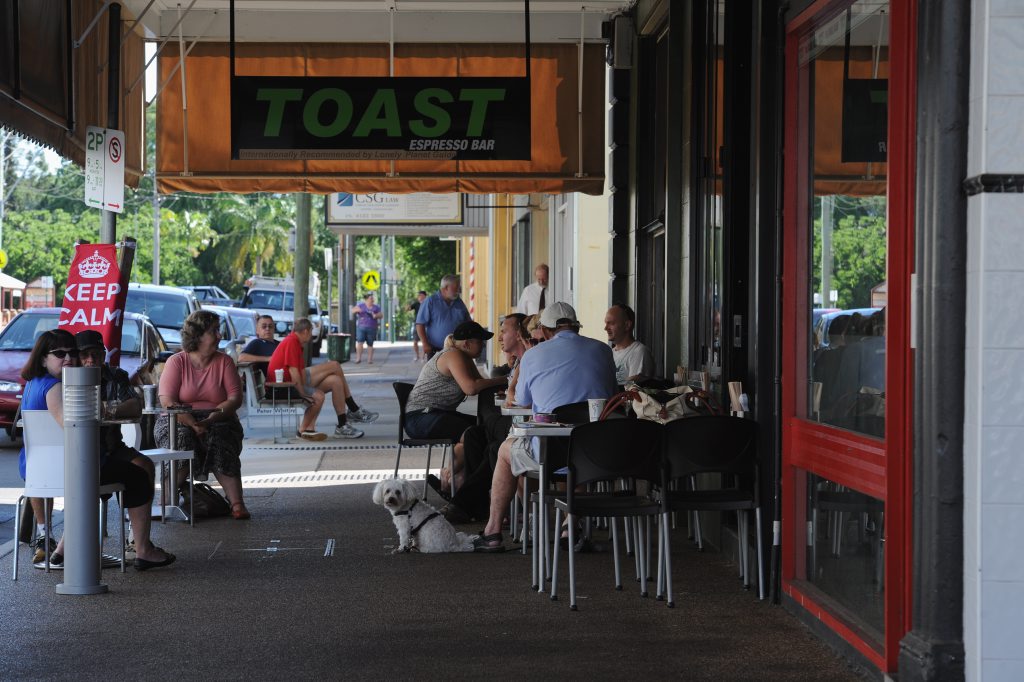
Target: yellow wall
592,263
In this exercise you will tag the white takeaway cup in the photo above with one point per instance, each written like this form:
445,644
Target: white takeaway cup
279,375
596,407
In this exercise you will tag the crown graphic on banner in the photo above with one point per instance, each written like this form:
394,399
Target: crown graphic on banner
94,267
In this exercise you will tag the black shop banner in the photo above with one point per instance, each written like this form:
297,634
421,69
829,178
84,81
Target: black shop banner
367,118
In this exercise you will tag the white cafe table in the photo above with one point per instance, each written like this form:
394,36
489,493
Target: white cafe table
543,432
170,456
514,411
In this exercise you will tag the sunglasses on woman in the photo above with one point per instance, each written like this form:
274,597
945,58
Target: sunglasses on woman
61,353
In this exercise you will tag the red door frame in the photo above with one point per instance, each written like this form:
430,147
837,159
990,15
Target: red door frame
879,468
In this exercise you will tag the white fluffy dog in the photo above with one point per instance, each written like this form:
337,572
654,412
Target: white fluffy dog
420,526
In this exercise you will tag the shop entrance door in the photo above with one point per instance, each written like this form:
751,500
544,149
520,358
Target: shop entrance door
846,400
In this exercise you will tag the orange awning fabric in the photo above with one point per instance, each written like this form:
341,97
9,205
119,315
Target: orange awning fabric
831,174
555,139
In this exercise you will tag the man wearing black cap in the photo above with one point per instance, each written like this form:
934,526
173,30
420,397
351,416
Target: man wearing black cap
118,462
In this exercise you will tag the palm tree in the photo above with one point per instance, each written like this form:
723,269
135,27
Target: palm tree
254,235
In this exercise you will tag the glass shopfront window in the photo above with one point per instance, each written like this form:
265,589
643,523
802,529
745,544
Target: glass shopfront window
848,254
846,62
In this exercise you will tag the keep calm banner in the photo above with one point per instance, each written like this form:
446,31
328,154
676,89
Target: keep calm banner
95,296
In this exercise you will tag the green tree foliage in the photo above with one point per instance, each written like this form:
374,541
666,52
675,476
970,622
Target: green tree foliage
41,242
253,235
858,249
420,263
216,239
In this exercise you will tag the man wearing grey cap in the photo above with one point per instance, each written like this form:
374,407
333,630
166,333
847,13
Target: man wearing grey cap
568,368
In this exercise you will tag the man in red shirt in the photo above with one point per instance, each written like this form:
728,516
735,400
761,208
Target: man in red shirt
312,383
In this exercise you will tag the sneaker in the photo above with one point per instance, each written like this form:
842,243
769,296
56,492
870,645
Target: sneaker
313,435
39,544
363,415
347,431
110,561
56,562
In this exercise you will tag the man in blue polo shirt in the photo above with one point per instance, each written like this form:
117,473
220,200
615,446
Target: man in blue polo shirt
567,368
440,314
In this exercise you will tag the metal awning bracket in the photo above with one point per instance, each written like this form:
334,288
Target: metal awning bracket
88,29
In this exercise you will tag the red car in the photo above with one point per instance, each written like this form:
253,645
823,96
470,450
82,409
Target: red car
140,341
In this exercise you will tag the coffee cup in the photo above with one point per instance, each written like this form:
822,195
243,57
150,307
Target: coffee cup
596,407
279,375
149,396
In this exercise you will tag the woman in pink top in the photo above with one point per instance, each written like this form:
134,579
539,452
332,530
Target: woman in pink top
205,379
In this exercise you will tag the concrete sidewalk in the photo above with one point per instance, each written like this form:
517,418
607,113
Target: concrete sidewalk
309,589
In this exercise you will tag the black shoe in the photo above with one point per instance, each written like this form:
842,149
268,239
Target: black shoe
435,483
56,562
455,515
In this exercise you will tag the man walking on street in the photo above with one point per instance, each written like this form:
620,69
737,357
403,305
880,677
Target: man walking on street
440,314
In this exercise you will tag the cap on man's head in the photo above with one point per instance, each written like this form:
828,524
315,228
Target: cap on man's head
558,314
471,330
90,338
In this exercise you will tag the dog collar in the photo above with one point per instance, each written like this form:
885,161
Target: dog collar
406,512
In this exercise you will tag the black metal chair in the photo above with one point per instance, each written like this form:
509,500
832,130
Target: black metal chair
609,451
402,391
708,445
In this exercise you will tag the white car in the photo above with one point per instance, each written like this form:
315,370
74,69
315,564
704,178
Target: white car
279,303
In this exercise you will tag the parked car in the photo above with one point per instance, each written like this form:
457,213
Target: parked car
211,295
233,322
275,297
243,319
821,327
166,308
140,342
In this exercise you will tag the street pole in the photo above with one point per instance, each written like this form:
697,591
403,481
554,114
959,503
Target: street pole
302,232
384,276
156,232
108,219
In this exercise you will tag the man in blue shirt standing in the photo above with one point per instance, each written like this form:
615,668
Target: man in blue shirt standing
440,314
567,368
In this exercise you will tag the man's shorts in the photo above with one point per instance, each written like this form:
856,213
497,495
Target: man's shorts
366,335
522,457
292,392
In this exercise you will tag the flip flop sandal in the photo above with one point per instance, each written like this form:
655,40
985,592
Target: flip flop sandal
435,484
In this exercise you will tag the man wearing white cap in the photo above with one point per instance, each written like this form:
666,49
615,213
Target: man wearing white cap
567,368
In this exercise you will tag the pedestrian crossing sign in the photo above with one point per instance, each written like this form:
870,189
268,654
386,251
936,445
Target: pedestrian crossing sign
371,280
